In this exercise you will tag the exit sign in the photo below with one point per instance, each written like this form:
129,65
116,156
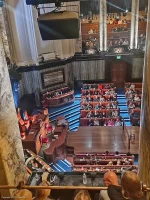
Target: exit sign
118,57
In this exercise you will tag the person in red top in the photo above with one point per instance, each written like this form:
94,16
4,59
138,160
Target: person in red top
99,87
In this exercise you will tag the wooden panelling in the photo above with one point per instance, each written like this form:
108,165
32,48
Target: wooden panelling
89,70
137,68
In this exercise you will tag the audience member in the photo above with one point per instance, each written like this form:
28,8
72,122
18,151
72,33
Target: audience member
110,178
23,195
82,195
130,188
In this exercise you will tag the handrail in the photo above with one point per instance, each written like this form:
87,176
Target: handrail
144,188
128,135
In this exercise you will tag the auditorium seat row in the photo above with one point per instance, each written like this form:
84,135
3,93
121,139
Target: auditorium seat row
98,86
133,104
107,112
104,168
102,121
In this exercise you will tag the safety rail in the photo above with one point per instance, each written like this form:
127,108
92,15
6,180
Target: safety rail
21,186
128,134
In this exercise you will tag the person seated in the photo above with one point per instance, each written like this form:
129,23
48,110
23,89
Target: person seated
109,114
107,92
95,99
132,86
87,92
84,100
103,115
113,98
101,98
130,188
100,87
84,86
96,114
128,92
83,107
130,96
108,106
131,105
96,122
82,195
110,122
137,98
96,107
138,105
110,163
126,42
120,43
115,113
89,106
90,123
118,122
134,114
96,92
116,153
89,115
23,135
22,194
114,105
111,21
120,21
110,178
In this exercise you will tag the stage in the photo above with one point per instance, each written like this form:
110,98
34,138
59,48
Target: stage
100,139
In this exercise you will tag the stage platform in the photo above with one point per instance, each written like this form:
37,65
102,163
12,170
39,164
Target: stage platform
100,139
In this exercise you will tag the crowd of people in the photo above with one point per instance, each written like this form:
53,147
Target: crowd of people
133,92
99,105
56,93
128,188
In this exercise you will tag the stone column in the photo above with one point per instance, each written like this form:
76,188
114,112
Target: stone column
21,26
12,165
103,25
144,152
134,24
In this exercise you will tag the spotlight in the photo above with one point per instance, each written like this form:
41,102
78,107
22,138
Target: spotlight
126,11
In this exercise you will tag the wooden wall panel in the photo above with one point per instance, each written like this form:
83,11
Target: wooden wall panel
89,70
137,68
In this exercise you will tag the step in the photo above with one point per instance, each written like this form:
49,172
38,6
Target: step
55,168
64,165
122,104
66,111
77,110
124,115
76,117
74,122
74,127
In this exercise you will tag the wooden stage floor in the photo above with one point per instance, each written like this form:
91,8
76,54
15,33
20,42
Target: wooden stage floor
100,139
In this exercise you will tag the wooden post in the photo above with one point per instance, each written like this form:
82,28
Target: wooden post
144,152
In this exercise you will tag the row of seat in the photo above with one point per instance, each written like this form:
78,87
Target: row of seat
100,122
133,95
100,113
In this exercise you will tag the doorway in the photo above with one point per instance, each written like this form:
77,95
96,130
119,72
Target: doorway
118,73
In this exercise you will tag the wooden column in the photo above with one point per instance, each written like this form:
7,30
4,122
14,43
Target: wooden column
134,24
103,25
144,152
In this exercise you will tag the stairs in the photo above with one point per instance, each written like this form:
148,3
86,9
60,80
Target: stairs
122,104
61,166
71,112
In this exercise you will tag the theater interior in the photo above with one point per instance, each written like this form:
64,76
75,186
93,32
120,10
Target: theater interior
75,94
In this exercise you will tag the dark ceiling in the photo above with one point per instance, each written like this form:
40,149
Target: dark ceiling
113,6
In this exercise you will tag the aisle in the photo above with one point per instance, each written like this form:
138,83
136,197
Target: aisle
122,104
